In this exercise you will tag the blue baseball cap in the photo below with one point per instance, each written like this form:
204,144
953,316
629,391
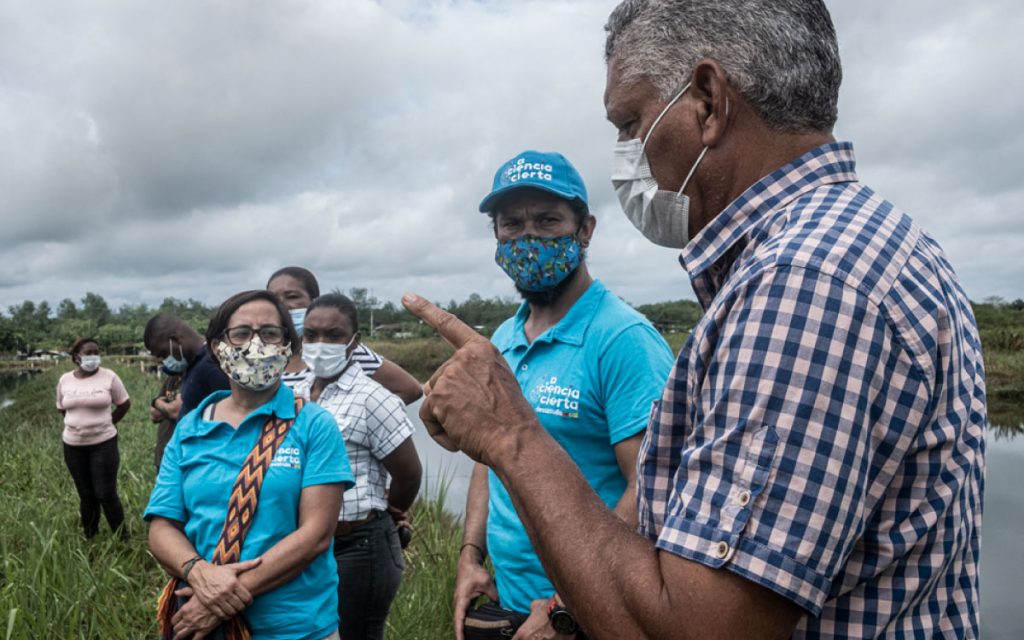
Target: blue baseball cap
550,172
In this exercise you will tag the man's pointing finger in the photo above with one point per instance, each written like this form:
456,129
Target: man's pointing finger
454,331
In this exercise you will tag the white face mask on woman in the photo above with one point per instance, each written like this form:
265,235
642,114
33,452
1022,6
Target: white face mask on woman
89,363
662,216
326,359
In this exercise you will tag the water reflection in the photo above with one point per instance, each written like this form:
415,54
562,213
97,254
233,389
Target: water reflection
1006,416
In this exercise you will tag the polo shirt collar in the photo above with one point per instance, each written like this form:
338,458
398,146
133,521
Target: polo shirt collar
573,325
830,163
281,405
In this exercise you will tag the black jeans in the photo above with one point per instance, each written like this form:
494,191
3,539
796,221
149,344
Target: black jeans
369,571
94,469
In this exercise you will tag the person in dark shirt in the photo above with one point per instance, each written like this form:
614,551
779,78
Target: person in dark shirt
182,350
163,412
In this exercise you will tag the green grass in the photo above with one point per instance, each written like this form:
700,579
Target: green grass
420,356
55,584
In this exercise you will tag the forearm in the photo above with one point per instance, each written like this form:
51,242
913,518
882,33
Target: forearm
616,595
170,546
398,381
119,412
286,559
475,529
402,492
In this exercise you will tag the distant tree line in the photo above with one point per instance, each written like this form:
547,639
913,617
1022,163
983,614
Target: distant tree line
30,326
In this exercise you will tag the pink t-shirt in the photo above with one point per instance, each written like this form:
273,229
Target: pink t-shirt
87,402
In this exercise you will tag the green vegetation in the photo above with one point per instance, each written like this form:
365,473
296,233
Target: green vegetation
55,584
30,326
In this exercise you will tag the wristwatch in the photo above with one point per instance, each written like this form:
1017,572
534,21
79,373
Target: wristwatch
562,620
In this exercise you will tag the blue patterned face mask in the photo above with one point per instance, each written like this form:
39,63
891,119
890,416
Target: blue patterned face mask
538,264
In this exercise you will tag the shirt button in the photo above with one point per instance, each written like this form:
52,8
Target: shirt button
743,499
525,367
721,550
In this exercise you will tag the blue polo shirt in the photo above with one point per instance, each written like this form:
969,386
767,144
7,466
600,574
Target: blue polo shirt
198,472
591,379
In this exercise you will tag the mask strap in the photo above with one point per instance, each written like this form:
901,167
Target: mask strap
701,156
662,114
692,170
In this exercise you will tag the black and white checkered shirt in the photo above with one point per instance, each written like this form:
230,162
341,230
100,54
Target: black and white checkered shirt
373,422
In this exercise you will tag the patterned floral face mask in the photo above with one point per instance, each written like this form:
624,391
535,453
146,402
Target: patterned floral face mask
538,264
254,365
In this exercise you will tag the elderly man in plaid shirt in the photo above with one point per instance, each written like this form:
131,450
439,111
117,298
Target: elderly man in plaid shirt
815,466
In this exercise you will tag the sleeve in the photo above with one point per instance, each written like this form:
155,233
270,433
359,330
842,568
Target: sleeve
388,423
367,359
804,403
117,391
326,457
633,370
167,499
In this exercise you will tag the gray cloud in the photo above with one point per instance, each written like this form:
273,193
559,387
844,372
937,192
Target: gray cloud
189,148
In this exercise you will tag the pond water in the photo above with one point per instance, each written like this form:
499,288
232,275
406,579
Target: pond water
1002,551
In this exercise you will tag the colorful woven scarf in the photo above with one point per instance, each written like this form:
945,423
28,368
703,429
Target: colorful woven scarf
245,495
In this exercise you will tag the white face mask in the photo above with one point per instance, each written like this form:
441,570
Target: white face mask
89,363
298,319
325,359
662,216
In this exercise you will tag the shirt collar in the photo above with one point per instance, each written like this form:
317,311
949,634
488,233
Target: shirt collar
830,163
281,405
347,380
573,325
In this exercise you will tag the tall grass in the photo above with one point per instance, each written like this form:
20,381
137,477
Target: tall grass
56,584
420,356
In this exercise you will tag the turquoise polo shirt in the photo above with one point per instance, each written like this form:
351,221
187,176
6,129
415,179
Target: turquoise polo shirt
198,472
591,379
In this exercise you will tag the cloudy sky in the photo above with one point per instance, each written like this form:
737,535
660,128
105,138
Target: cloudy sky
190,148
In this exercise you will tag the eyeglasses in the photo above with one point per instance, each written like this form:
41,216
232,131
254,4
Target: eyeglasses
269,334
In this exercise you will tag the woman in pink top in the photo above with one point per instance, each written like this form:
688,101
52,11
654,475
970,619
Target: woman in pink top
85,397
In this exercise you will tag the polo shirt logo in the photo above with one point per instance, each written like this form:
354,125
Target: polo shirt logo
289,457
557,400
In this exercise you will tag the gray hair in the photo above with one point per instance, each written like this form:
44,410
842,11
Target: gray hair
781,55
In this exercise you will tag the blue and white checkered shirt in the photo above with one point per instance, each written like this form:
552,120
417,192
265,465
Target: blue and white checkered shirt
823,431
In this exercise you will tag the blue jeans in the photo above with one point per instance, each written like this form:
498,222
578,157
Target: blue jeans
369,571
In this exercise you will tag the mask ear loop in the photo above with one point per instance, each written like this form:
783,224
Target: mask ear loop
662,115
701,156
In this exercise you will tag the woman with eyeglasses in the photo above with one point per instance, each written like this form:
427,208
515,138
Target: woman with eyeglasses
378,436
296,287
93,400
245,506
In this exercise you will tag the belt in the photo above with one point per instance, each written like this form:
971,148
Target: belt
346,527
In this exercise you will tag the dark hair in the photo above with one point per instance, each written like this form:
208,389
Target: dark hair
160,326
219,321
81,342
341,302
305,276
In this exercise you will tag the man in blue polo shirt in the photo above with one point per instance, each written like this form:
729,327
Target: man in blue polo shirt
589,364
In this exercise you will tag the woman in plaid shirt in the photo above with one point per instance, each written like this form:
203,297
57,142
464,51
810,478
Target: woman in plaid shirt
378,438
